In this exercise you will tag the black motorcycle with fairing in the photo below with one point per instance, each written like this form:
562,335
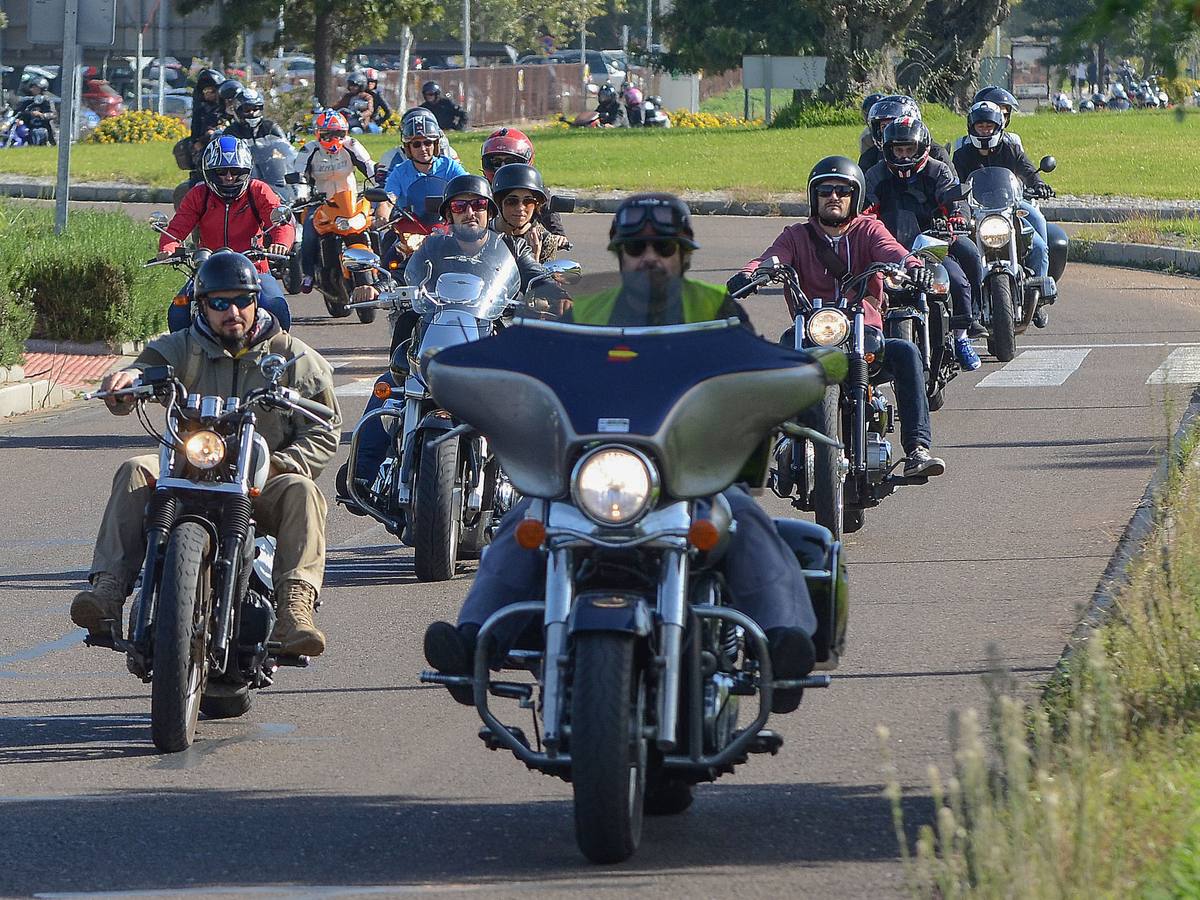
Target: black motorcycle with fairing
199,629
635,659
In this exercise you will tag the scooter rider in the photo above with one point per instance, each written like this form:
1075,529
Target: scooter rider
250,124
836,194
612,113
653,239
232,211
450,116
222,348
908,191
421,137
511,145
986,147
328,164
521,195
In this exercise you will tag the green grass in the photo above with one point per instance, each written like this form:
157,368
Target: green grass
1143,154
1147,230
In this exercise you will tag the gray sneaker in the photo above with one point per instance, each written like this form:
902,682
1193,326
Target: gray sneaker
920,464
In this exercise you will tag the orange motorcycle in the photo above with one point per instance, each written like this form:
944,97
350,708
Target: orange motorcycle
342,222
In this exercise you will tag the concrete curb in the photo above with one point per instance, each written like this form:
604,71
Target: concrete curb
26,396
88,193
1138,256
95,348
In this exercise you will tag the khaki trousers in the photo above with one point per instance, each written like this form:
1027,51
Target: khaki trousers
290,508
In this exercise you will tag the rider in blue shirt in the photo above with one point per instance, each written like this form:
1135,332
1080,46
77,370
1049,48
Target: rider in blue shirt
421,136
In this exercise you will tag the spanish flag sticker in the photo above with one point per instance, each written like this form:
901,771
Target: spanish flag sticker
621,353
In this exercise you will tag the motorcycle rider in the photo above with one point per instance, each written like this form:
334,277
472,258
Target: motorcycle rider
631,96
864,139
230,94
328,164
511,145
883,114
652,237
232,211
612,113
1007,103
837,227
249,124
521,195
223,347
380,111
356,90
986,147
208,112
36,110
449,115
908,191
421,136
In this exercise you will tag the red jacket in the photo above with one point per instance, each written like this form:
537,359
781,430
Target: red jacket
228,225
869,242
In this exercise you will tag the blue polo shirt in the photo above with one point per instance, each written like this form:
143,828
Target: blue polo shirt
404,175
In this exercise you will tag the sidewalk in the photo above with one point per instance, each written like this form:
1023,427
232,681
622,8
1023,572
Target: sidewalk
47,379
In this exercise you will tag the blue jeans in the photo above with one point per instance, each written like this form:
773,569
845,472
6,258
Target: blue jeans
309,247
966,254
271,299
1039,250
902,363
373,440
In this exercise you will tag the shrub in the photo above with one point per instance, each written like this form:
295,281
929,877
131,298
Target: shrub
138,127
815,114
681,118
16,324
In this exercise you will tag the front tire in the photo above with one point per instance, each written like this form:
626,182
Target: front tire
438,513
227,707
608,749
829,490
180,638
1003,342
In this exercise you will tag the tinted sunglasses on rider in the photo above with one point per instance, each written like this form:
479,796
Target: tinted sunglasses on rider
420,142
664,249
496,160
514,201
458,207
834,190
220,304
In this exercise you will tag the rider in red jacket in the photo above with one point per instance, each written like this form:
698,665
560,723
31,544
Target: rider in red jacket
232,210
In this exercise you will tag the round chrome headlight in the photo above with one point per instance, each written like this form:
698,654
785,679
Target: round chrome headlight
204,449
614,485
995,232
827,327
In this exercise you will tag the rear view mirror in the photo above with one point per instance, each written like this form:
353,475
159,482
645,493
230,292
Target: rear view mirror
281,215
562,204
1048,164
293,178
377,195
359,260
565,271
158,221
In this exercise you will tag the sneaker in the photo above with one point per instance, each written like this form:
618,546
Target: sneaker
792,656
306,284
977,329
920,464
1040,318
966,355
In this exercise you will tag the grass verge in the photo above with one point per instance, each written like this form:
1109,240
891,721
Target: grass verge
1094,791
1147,230
1141,154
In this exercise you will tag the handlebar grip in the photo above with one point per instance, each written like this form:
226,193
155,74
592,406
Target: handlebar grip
312,406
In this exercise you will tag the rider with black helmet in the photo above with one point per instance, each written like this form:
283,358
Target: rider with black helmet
229,93
612,113
908,191
864,139
250,125
653,239
1007,103
836,227
35,109
450,116
880,116
521,194
208,114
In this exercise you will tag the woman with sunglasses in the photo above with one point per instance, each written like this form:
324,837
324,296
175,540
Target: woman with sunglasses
521,195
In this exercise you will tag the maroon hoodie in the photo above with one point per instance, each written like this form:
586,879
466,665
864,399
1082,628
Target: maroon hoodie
868,241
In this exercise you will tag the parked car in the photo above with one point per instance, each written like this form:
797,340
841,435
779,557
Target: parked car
177,102
299,66
602,68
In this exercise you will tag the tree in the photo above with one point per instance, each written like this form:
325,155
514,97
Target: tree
713,35
857,36
1162,27
944,47
329,28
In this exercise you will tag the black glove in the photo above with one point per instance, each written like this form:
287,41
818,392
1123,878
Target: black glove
740,282
1043,191
381,173
921,278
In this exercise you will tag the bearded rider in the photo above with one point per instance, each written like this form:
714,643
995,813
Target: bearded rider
837,228
219,354
652,237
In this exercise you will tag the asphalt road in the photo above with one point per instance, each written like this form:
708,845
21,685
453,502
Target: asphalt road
349,778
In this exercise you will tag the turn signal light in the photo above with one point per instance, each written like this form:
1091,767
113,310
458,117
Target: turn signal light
181,300
704,535
530,534
869,357
382,390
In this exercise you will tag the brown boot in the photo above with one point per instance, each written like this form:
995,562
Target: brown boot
91,608
294,628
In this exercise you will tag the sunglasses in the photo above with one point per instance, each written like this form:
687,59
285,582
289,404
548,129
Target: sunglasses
834,190
220,304
496,161
420,143
665,249
514,200
458,207
330,135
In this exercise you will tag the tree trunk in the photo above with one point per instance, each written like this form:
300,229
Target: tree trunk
858,35
942,60
406,43
323,53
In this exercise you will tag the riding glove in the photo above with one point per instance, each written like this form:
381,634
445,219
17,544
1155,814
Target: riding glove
739,282
922,279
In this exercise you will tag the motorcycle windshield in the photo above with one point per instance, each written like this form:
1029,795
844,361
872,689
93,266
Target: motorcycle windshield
419,192
994,187
699,398
481,281
273,158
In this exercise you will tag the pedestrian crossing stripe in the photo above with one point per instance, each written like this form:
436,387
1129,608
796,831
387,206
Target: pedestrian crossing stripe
1182,366
1036,368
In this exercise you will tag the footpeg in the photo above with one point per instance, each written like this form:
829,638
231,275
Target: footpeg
766,741
99,640
296,662
493,743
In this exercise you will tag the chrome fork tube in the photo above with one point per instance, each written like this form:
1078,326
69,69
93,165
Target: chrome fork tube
560,593
672,611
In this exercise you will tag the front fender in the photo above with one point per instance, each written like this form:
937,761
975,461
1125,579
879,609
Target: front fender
611,611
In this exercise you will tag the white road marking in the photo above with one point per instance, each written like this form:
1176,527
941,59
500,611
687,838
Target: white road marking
1111,346
1036,368
360,387
1181,367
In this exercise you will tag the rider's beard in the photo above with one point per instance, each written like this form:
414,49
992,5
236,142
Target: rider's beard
831,220
469,234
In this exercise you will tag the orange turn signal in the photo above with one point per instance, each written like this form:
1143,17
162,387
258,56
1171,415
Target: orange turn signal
530,534
181,300
869,357
704,535
255,492
382,390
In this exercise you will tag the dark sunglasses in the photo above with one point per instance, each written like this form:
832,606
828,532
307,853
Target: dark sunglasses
834,190
497,160
665,249
220,304
479,204
330,135
421,143
514,200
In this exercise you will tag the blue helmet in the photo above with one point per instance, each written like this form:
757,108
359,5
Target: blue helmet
223,155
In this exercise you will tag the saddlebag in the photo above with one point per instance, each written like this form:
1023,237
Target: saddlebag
820,557
1058,241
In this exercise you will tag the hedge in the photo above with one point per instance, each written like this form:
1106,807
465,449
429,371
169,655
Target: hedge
87,284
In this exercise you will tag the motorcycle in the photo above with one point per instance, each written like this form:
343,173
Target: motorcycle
639,660
653,115
440,488
342,222
842,464
1011,293
273,158
200,625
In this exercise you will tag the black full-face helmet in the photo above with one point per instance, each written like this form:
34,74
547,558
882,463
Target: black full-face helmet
906,131
837,168
985,111
886,111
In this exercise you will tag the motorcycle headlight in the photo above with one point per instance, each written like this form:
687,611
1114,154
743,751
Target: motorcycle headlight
204,449
995,232
342,223
827,327
614,485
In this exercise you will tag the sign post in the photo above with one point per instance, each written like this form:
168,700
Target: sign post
792,73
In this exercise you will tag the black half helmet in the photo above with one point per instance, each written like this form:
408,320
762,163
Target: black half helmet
226,270
666,214
511,176
431,87
468,184
837,168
